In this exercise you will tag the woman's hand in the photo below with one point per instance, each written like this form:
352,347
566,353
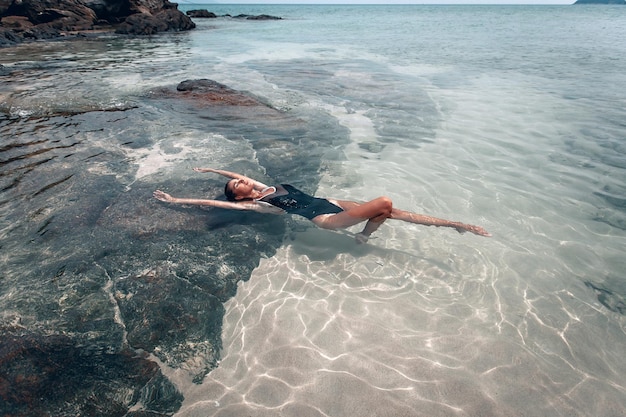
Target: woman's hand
204,170
161,196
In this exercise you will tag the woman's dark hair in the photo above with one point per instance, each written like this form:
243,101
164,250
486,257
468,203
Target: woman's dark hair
228,192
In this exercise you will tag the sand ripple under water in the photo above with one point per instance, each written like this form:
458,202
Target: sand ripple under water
380,332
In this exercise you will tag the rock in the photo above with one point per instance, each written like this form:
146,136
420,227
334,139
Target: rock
146,24
45,19
259,17
61,14
32,365
169,327
115,271
264,17
109,11
17,23
209,91
4,6
201,14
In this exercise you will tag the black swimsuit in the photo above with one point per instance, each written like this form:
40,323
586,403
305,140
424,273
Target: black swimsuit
297,202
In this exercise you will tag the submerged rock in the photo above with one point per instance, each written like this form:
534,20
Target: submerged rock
102,277
209,91
50,374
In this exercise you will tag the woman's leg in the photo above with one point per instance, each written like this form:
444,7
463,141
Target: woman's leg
375,212
422,219
331,221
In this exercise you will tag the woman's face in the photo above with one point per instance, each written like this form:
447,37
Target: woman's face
242,188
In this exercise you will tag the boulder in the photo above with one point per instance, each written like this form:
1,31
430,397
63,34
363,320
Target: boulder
148,24
258,17
109,10
205,14
4,6
264,17
65,15
209,91
45,19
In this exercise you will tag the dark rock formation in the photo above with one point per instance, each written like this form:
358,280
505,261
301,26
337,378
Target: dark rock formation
209,91
263,17
203,13
221,101
259,17
46,19
38,377
149,24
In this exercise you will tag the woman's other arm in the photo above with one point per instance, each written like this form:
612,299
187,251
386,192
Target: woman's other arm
228,174
250,205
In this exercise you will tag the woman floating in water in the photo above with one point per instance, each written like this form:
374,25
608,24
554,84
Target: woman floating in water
244,193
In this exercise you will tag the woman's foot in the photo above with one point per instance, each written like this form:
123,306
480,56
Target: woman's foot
477,230
361,238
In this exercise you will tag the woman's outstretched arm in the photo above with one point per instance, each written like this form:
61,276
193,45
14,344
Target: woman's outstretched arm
258,206
258,185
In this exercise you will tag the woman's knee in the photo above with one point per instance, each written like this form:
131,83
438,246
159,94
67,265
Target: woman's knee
386,205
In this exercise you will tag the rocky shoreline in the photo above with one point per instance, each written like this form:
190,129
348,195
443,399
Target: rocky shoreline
31,20
205,14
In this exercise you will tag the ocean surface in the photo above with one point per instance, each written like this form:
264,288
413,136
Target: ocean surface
509,117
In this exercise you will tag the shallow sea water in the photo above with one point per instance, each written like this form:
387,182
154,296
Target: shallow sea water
507,117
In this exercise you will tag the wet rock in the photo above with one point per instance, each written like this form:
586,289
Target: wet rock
17,23
4,5
47,19
263,17
209,91
110,11
169,20
100,270
203,13
218,107
61,14
257,17
181,263
50,374
182,328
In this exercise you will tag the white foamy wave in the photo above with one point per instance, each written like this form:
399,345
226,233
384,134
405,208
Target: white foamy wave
170,156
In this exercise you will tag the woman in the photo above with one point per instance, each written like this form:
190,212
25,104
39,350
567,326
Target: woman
244,193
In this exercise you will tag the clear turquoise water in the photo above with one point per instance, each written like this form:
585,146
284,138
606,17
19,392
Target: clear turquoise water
511,117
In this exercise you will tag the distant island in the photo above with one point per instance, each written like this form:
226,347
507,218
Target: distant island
622,2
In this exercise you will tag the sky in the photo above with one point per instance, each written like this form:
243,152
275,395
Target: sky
376,1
